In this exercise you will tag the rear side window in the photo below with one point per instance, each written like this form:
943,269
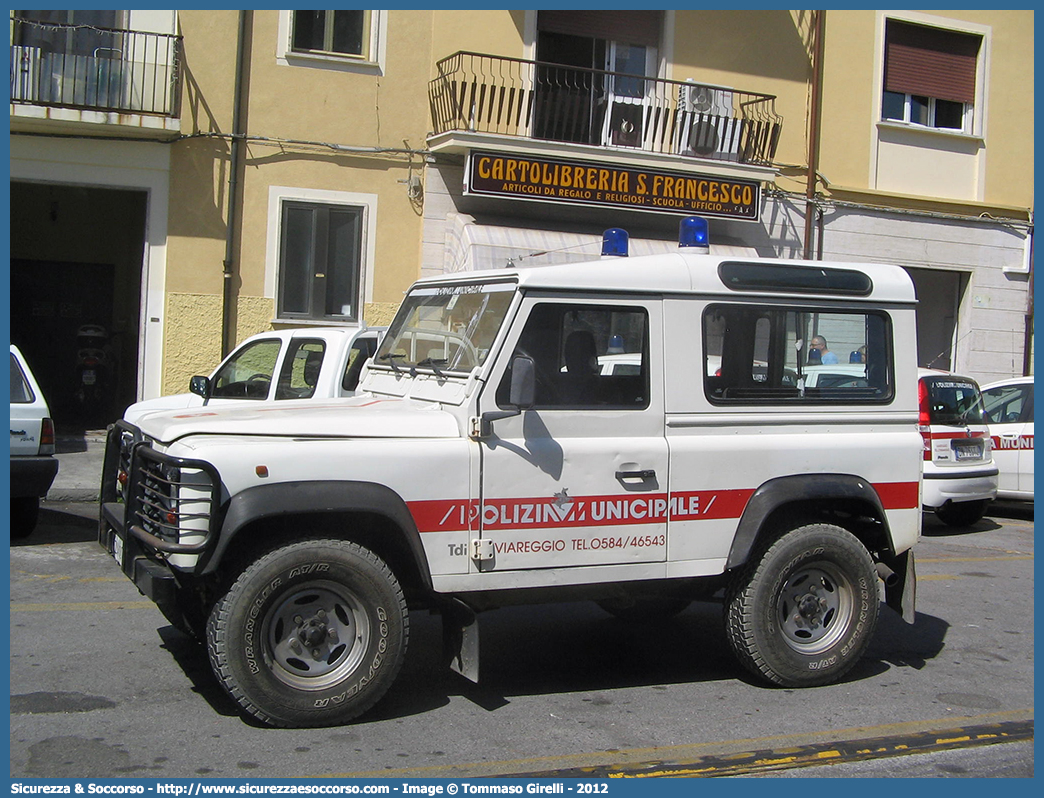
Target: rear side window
362,350
21,393
753,354
954,401
301,366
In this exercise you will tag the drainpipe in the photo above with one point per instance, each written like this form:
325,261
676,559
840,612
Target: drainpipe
228,336
1027,344
813,133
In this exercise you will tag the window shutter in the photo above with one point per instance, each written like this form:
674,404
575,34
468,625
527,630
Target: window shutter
930,62
626,27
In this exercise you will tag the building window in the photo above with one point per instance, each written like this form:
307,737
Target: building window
320,261
343,33
929,76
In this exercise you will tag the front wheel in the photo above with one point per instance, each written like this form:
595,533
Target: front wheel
803,613
312,634
961,513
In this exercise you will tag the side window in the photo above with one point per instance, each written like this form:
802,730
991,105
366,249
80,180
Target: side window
587,356
756,354
362,350
1007,404
20,390
320,261
248,374
301,367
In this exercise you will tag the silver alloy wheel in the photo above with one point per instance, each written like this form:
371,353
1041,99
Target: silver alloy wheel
814,608
316,636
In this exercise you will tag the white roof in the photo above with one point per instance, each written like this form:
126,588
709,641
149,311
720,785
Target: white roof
679,272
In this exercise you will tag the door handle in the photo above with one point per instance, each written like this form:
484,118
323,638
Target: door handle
646,474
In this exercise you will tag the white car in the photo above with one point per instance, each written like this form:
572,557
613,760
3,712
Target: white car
960,476
33,465
836,375
299,363
1009,411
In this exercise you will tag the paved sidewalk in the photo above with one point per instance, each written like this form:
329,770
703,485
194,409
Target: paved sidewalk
79,467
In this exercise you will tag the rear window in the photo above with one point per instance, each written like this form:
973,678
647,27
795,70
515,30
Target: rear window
21,393
954,401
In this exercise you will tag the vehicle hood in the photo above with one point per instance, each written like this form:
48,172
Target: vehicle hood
350,417
138,410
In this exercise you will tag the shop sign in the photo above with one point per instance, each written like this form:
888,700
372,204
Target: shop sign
585,183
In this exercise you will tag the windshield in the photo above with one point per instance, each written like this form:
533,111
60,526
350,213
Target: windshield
446,327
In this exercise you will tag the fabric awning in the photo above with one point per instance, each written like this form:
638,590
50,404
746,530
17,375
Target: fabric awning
471,246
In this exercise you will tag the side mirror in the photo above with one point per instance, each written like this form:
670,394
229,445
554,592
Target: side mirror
521,396
523,382
201,387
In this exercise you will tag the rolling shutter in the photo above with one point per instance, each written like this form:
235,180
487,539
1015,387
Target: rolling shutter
930,62
626,27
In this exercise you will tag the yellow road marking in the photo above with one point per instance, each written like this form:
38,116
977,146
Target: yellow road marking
734,750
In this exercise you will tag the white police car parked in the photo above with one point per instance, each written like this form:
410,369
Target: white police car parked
1009,412
960,477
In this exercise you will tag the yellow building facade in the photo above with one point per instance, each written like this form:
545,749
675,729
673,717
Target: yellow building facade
265,169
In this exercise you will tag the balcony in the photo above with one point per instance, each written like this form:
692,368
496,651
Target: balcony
91,69
487,94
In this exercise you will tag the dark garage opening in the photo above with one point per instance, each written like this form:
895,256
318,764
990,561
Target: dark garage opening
76,271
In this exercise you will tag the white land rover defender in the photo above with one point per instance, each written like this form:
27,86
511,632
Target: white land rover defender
489,458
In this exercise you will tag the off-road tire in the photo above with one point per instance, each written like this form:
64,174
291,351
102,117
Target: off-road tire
311,634
961,513
802,612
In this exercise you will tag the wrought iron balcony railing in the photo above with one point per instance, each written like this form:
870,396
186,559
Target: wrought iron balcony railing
91,68
531,99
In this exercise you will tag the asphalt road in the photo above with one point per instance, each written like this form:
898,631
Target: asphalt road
102,687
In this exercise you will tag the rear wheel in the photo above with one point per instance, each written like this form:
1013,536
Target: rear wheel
804,612
961,513
312,634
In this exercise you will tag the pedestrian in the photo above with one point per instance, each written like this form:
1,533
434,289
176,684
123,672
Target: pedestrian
819,346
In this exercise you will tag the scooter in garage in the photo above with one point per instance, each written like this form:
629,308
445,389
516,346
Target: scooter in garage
93,370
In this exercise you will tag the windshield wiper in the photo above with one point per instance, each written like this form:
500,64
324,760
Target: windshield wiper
391,357
434,364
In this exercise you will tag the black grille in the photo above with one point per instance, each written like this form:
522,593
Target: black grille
171,498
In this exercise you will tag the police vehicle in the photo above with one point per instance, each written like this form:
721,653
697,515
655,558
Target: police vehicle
490,458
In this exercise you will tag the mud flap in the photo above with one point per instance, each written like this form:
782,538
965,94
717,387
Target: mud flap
901,595
460,639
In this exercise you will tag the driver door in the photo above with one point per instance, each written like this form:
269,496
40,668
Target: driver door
580,479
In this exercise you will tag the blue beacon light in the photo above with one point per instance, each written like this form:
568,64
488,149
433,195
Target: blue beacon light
693,233
614,242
